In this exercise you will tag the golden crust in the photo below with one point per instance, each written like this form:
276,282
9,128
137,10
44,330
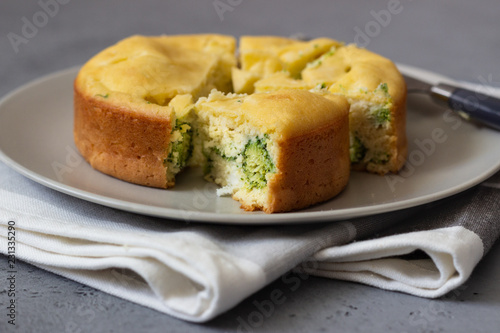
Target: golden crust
287,112
398,113
312,168
120,141
158,68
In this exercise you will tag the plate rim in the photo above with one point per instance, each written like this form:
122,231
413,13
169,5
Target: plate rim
244,218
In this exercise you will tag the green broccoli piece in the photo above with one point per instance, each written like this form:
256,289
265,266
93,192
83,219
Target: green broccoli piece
382,115
257,163
381,158
329,53
315,63
383,87
208,167
181,149
322,85
221,154
357,150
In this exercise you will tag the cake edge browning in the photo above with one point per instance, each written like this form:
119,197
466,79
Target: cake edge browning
399,113
312,168
122,151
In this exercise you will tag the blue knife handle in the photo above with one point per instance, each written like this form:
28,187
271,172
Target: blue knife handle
483,108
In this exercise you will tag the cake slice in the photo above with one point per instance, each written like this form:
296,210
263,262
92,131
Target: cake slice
376,92
130,115
277,151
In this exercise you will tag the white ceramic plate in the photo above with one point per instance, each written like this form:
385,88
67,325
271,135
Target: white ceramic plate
446,155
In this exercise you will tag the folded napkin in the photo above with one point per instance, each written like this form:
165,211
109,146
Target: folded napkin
196,271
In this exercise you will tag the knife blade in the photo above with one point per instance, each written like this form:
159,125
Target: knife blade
467,103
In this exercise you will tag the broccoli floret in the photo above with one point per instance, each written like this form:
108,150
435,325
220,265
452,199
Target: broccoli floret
314,63
182,149
357,150
382,115
221,154
208,167
257,163
381,158
321,86
329,53
383,87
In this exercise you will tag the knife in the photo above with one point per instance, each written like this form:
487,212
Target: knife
467,103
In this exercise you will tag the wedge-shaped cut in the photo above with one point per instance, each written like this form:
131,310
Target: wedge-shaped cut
276,151
377,94
280,80
262,56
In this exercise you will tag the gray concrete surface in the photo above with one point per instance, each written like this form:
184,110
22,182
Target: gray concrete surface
460,39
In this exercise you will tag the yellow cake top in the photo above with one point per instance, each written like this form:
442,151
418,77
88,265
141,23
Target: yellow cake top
268,54
156,69
284,113
355,71
273,63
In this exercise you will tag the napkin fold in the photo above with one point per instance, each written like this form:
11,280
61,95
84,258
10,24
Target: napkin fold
197,271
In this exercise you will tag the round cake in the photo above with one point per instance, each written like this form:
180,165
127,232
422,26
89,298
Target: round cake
278,127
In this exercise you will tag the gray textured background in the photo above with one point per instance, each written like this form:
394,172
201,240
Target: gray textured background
460,39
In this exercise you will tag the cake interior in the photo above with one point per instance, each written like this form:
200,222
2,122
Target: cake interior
239,157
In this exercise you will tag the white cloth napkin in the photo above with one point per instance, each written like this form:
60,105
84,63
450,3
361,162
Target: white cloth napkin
196,271
453,252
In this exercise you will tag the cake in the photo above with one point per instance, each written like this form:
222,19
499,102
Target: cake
372,84
278,127
276,151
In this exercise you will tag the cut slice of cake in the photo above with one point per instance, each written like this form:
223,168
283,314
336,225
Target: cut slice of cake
376,92
276,151
128,122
